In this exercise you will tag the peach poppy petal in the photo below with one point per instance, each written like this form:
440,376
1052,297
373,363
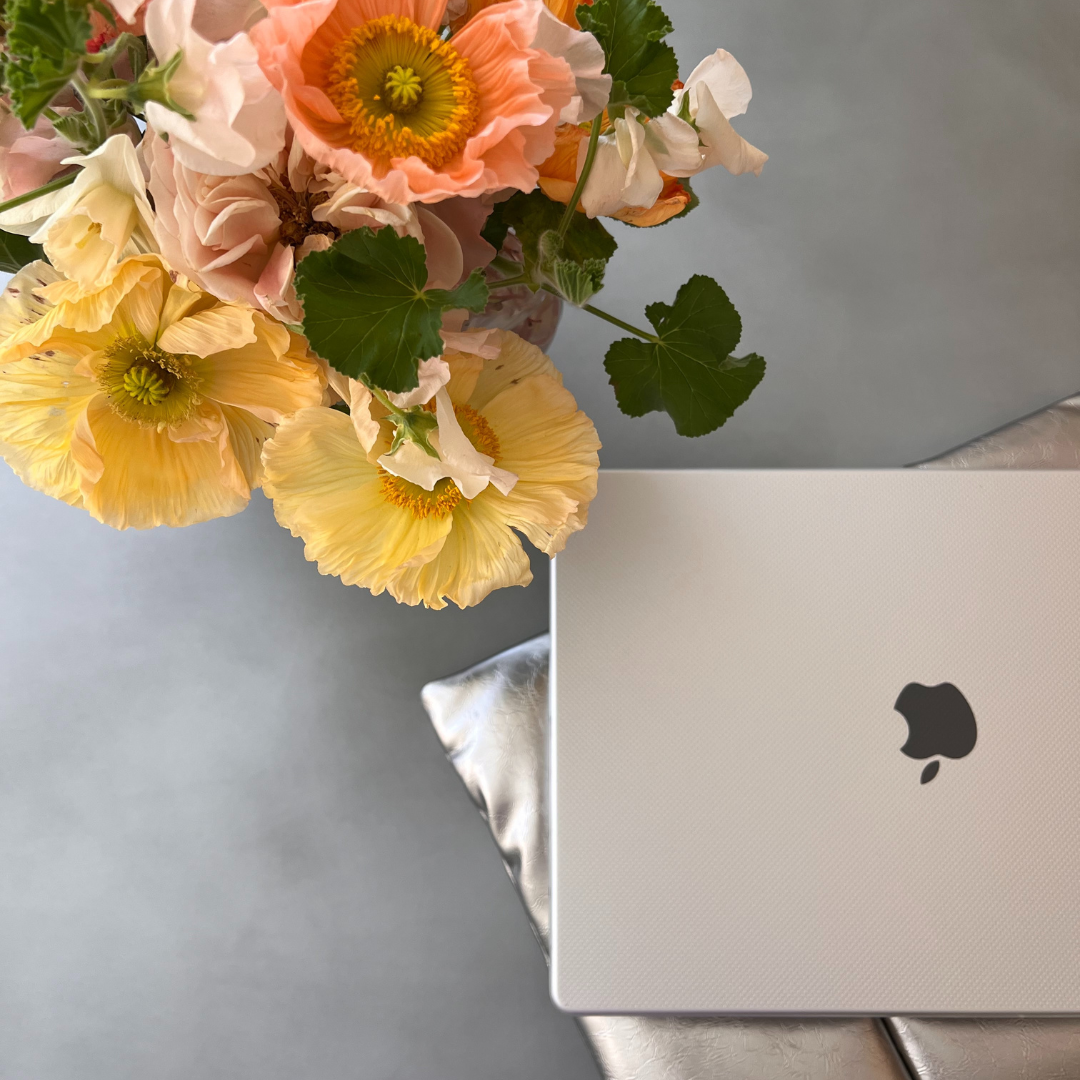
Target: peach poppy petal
325,490
522,92
518,360
148,479
268,378
480,555
222,328
247,435
41,399
552,447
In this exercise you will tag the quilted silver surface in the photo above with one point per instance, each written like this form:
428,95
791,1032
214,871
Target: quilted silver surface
492,720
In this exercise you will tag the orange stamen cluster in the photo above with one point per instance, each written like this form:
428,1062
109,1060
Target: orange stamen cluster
478,431
419,502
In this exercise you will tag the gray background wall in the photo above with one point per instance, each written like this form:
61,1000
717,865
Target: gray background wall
230,844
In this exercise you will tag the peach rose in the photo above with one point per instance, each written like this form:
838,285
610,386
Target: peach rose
240,237
375,93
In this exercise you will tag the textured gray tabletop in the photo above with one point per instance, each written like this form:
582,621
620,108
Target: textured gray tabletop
231,844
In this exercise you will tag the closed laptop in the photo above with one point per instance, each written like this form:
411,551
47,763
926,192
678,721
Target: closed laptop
816,744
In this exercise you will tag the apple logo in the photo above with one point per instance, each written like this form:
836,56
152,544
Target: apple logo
940,722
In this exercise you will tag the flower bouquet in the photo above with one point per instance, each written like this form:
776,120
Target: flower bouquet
254,245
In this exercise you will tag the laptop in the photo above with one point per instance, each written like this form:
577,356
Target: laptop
816,744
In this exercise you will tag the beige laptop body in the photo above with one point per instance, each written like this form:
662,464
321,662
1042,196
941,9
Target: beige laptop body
816,744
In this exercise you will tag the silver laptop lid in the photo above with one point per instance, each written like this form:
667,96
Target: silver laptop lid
742,818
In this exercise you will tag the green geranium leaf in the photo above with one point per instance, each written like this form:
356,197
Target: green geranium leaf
366,311
495,228
16,251
641,65
46,41
51,28
575,263
32,87
689,372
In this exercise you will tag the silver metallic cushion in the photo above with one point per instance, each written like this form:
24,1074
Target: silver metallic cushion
492,720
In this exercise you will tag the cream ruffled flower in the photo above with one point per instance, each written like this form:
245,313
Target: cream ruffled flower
146,402
586,58
101,219
382,532
239,123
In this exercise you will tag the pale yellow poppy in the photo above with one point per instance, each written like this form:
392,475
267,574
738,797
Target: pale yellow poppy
146,402
384,533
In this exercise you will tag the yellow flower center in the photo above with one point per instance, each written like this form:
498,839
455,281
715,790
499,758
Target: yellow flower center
446,495
404,87
403,91
145,385
148,386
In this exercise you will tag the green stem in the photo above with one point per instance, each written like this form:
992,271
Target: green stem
590,157
92,107
507,266
381,397
619,323
105,92
29,196
508,283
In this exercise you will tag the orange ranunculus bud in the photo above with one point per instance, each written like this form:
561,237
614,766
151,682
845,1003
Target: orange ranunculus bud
558,175
564,10
673,200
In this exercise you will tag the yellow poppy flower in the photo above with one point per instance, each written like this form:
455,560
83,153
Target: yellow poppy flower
382,532
146,402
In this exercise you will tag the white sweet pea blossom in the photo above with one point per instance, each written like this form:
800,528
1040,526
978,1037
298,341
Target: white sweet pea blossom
100,219
630,158
586,59
458,459
239,123
716,90
434,374
474,342
358,397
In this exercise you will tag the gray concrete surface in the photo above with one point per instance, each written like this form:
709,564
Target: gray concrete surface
230,845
